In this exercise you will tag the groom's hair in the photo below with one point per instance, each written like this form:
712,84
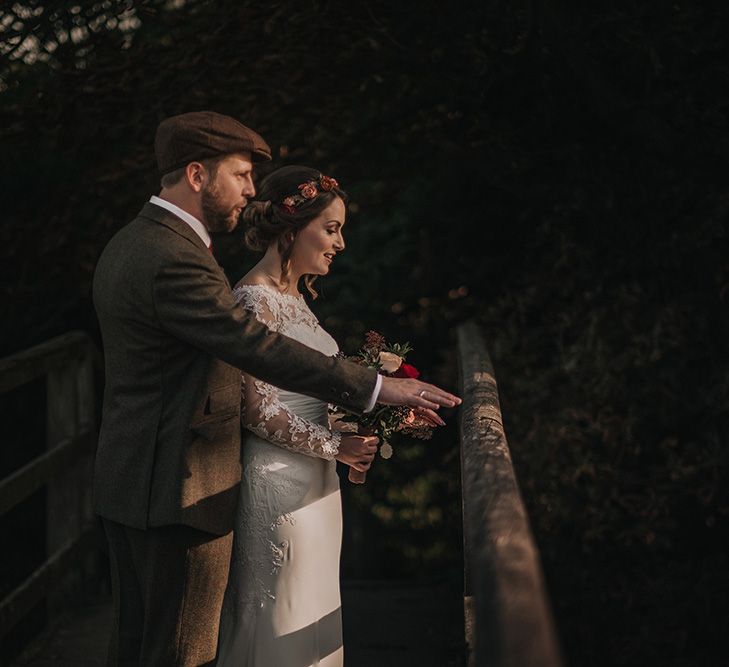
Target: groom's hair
174,177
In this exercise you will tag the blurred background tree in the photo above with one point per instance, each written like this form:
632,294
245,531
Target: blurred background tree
554,169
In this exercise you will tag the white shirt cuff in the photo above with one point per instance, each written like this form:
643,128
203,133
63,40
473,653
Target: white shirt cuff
375,394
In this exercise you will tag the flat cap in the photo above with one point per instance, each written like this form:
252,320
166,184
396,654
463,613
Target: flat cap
204,134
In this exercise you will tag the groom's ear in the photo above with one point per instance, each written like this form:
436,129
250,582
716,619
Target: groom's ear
195,174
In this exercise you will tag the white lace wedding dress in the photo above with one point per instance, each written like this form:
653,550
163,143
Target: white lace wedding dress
282,605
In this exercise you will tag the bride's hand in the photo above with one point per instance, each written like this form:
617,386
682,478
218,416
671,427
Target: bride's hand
415,394
358,451
429,416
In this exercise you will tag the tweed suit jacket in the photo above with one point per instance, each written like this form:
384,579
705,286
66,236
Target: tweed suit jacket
174,339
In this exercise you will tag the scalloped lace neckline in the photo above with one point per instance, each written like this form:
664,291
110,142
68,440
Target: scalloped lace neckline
271,288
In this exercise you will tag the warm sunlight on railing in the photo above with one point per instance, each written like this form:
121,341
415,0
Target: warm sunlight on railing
507,616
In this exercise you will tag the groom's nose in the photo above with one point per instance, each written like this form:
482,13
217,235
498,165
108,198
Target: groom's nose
248,189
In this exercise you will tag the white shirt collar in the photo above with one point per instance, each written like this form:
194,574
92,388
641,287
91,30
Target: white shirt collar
191,220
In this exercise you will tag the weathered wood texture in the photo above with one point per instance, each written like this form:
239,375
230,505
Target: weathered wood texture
70,414
22,367
66,467
16,487
508,620
46,578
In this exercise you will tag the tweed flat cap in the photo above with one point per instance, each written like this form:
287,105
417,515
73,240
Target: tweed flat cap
204,134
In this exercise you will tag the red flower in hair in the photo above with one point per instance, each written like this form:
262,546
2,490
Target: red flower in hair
406,371
327,183
308,190
289,205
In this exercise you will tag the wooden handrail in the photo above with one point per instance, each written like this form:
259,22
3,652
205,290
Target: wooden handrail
39,584
507,614
18,486
22,367
67,362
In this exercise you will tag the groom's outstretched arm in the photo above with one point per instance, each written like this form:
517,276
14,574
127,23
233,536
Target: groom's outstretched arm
194,303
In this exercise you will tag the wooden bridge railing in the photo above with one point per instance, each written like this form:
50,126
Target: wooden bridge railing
67,362
507,614
508,620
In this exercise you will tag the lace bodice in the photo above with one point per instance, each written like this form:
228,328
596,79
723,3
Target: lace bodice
293,421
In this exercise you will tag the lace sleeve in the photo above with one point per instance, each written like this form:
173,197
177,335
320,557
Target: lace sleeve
264,413
269,418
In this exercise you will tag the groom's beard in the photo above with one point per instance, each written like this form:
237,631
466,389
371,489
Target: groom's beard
218,217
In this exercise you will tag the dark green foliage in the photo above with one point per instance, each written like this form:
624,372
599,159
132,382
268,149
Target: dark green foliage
556,170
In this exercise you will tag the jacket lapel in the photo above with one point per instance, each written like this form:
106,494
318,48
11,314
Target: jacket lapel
171,221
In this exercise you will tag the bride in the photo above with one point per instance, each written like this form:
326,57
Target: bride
282,603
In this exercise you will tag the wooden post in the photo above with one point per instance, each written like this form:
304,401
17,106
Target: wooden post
70,412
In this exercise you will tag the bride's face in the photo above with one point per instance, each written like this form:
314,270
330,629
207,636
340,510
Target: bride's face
316,244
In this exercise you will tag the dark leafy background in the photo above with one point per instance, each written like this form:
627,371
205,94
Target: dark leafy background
555,169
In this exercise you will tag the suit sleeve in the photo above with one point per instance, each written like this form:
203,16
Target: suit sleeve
194,303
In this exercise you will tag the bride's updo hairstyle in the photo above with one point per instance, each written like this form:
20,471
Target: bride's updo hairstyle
288,200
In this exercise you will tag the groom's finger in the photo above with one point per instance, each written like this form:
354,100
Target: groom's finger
421,400
444,398
433,398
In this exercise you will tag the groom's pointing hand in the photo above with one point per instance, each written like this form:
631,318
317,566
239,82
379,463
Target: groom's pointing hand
415,394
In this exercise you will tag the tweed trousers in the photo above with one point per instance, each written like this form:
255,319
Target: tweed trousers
168,585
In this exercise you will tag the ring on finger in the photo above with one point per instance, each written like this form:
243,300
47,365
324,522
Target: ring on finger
422,393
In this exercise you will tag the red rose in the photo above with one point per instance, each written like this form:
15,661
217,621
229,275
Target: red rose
308,190
327,183
406,371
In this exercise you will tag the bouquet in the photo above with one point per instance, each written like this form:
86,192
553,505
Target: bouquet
384,421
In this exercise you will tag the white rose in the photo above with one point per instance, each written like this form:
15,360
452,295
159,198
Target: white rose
390,362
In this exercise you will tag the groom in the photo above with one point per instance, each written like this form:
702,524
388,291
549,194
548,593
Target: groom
168,462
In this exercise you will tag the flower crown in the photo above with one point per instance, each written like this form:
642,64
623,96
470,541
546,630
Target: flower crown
307,192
